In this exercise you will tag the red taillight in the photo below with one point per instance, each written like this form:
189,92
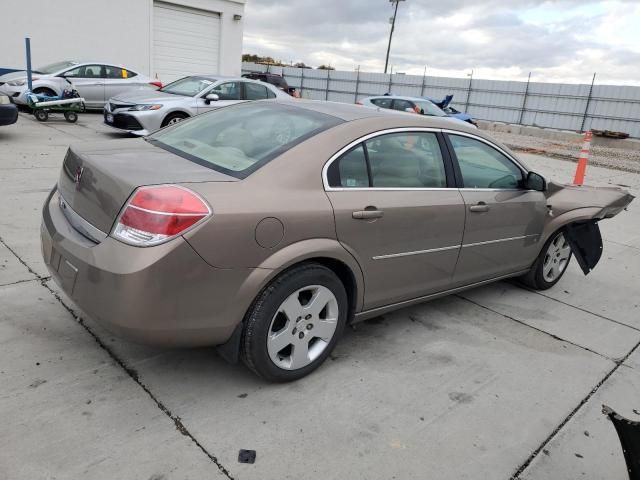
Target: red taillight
155,214
156,83
358,103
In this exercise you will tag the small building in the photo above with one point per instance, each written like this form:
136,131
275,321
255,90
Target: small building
165,39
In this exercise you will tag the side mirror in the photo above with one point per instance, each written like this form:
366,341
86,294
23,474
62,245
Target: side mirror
212,97
535,181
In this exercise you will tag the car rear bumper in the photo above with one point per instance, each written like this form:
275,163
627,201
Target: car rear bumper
8,114
164,295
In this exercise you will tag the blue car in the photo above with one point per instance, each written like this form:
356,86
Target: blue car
444,105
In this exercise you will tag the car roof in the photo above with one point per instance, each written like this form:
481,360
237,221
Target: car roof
400,97
351,112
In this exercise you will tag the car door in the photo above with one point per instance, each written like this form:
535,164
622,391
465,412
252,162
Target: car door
397,213
89,81
504,221
118,80
255,91
228,94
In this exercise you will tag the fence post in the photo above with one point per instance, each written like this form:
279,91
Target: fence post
326,93
301,81
586,108
357,82
466,103
524,100
390,80
267,68
424,81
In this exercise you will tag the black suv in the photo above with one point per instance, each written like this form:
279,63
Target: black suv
273,79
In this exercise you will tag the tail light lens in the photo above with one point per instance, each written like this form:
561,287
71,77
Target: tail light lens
156,83
358,103
156,214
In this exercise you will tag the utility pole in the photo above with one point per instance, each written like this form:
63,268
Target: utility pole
393,26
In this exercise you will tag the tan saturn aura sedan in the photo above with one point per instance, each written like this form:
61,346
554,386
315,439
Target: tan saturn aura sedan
265,227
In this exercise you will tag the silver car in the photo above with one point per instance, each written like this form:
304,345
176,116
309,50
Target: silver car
96,82
418,105
144,111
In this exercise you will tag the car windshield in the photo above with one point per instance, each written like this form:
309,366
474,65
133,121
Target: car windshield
55,67
188,86
238,140
429,108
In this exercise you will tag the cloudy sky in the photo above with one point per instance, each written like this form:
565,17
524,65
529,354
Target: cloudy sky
556,40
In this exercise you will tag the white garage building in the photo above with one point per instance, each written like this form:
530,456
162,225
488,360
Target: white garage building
166,39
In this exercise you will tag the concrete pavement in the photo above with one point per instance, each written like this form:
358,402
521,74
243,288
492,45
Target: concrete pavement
492,383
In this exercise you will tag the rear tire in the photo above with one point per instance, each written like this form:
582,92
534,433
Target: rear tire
551,263
294,323
71,117
173,118
41,115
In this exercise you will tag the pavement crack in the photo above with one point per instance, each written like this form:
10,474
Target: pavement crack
576,307
122,364
23,281
566,420
555,337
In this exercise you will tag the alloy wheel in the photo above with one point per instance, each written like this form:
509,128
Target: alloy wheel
302,327
556,258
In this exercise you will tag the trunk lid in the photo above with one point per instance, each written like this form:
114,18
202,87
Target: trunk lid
97,178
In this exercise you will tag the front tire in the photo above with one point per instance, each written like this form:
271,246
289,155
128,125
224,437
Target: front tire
294,323
550,265
173,118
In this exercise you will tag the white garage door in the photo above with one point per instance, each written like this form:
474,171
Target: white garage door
186,41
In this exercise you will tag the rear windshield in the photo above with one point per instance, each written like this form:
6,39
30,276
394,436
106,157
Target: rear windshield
238,140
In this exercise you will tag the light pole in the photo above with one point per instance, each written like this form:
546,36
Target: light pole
393,25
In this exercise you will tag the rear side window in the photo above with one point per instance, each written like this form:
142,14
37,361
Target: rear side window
483,166
118,73
238,140
402,105
350,170
382,102
406,160
255,92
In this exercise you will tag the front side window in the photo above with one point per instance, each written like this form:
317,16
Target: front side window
85,71
254,91
238,140
483,166
188,86
228,91
406,160
118,73
350,170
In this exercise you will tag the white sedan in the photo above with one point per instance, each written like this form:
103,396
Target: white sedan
96,82
143,111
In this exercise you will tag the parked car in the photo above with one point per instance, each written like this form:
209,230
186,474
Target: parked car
95,81
8,111
418,105
273,79
445,105
144,111
266,227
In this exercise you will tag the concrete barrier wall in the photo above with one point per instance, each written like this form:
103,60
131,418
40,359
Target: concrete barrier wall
549,105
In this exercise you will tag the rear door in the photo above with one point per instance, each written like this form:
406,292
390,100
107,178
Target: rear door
118,80
396,213
504,221
89,81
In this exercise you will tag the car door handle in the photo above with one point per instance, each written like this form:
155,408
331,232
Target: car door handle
479,207
368,214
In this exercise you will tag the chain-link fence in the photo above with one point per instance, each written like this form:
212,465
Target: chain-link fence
576,107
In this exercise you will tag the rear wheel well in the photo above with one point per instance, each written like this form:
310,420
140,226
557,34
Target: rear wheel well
346,276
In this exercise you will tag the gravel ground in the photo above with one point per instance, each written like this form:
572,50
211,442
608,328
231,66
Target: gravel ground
617,158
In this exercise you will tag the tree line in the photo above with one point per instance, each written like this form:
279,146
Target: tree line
252,58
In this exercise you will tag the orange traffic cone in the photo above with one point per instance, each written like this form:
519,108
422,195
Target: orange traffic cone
578,179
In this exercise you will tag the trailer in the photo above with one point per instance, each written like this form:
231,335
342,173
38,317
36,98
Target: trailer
41,106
